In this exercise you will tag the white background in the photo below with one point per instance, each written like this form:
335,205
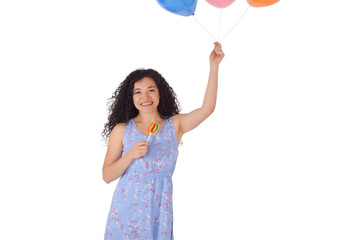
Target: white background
279,158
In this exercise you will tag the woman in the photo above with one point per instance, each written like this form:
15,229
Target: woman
141,207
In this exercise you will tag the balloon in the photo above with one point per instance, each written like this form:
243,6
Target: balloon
220,3
180,7
261,3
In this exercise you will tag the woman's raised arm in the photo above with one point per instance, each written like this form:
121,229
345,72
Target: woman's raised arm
187,122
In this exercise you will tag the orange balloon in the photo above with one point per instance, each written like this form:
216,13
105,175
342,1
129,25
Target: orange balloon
261,3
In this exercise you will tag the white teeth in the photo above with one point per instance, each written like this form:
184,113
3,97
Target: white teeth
146,104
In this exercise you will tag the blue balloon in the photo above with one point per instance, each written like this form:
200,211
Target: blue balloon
180,7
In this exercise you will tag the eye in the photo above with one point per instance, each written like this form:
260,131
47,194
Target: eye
152,90
137,92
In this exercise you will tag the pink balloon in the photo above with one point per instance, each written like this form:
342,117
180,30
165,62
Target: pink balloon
220,3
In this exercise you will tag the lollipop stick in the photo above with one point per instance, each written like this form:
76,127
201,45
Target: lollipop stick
149,137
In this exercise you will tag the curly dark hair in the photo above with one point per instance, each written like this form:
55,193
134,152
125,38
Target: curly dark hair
121,105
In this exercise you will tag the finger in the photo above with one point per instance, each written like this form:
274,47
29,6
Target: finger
218,50
142,148
217,45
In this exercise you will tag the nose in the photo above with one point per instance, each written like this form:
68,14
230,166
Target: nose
146,94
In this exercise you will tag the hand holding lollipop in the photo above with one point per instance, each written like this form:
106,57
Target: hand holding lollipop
152,128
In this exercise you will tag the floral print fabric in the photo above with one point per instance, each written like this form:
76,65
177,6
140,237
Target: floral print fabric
141,207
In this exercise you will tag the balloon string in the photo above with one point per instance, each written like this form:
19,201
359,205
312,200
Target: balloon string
235,24
219,25
204,28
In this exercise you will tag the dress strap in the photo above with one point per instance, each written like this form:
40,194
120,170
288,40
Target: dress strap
127,130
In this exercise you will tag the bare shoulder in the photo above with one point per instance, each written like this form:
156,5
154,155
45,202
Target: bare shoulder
117,132
176,119
115,144
116,140
120,126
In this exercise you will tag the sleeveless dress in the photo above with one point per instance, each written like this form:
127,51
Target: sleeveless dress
141,207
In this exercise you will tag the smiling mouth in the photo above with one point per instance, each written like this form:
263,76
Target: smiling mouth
146,104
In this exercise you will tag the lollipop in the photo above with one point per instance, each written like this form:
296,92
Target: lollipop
152,128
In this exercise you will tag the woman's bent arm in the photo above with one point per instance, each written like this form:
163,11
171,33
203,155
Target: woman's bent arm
116,169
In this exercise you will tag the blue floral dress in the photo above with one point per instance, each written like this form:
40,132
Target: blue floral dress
142,207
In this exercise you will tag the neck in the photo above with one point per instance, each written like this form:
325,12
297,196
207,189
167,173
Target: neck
147,118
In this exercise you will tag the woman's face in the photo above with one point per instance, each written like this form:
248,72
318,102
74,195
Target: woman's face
146,95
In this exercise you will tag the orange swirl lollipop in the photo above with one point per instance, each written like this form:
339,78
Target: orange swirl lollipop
152,128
